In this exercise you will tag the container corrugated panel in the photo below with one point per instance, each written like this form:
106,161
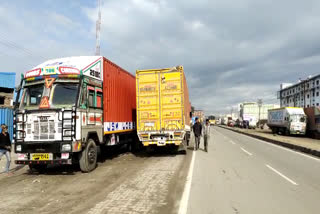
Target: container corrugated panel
119,94
173,100
6,117
163,100
7,79
187,104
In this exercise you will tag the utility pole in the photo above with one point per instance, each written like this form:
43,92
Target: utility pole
259,105
98,24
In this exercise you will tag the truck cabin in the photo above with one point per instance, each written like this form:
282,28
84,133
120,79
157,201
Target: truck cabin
298,118
51,102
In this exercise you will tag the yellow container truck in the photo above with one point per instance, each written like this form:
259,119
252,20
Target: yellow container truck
163,107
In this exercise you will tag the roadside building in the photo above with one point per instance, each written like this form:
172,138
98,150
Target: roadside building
7,84
199,114
304,93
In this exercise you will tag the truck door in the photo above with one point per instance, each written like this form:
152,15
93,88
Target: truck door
148,101
172,111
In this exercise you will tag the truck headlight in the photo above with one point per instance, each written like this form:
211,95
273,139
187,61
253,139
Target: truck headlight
18,148
66,147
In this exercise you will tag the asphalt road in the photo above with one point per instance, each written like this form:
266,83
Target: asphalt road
240,174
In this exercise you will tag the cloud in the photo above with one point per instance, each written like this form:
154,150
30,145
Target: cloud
33,35
232,51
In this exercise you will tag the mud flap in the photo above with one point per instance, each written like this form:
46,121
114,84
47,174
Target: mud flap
183,148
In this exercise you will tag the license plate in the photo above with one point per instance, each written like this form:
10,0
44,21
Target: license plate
161,143
41,156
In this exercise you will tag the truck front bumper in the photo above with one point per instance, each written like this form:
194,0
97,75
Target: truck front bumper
42,146
298,132
34,162
162,143
53,151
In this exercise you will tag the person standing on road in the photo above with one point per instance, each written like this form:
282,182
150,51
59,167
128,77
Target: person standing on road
206,134
5,146
197,131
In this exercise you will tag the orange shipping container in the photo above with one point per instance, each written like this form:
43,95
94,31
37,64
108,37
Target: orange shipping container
119,98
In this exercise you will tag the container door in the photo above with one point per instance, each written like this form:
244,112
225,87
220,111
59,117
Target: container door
148,103
172,100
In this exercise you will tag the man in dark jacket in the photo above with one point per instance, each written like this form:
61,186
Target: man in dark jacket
197,131
5,146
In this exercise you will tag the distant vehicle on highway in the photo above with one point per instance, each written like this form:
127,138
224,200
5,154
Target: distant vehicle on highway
287,120
212,120
251,121
231,123
313,121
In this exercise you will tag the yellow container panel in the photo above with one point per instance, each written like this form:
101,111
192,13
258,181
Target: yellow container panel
171,101
148,101
160,99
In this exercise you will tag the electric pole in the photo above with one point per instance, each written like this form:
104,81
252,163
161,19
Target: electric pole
259,105
98,24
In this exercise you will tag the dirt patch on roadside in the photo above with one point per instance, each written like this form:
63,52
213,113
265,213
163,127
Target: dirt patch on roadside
123,183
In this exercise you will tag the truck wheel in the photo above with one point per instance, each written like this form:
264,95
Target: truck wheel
88,157
182,149
37,168
287,132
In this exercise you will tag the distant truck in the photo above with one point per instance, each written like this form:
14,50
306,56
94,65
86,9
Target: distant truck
212,120
71,107
163,107
313,121
287,120
250,121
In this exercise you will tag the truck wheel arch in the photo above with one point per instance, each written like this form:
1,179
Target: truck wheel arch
94,136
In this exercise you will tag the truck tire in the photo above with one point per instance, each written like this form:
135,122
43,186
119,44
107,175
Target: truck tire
286,132
88,157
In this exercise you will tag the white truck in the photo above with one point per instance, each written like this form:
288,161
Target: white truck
251,120
287,120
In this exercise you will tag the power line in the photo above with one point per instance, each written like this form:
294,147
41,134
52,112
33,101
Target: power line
16,47
98,25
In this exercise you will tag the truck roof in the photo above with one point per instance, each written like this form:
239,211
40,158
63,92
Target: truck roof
68,65
291,110
179,67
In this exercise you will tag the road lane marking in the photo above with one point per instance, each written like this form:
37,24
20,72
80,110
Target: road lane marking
187,188
282,175
281,147
232,142
245,151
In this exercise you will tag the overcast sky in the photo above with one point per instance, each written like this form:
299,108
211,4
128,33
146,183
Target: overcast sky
232,51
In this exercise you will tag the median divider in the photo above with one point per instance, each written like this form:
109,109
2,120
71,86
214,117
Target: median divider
277,142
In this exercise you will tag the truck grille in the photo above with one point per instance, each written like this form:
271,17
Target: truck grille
43,130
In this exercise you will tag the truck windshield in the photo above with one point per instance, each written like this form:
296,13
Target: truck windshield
32,96
64,94
298,118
